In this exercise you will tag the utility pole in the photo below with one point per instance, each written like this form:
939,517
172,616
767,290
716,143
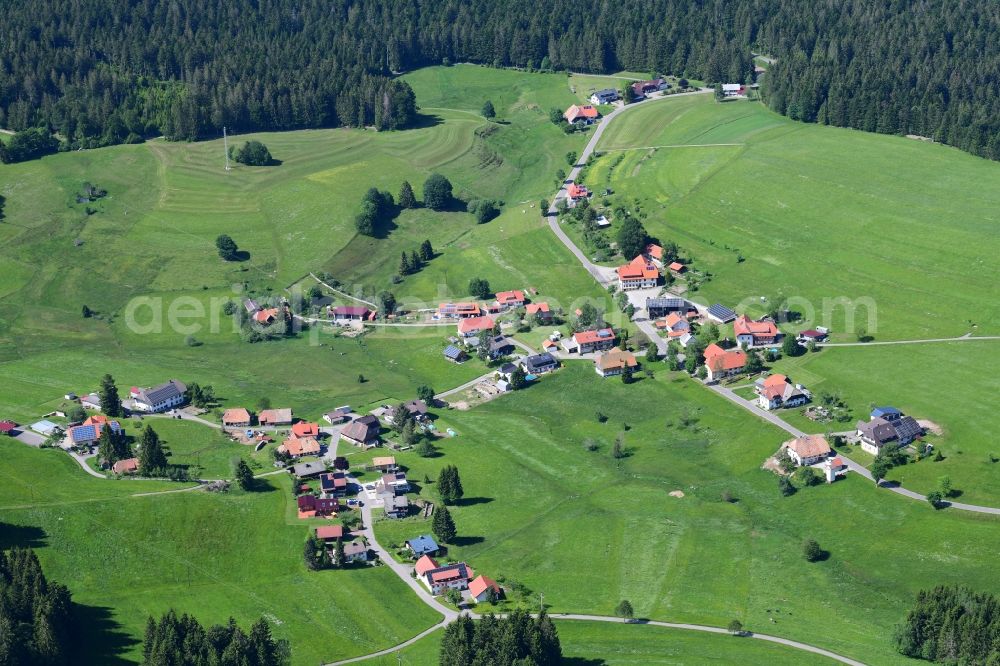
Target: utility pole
225,144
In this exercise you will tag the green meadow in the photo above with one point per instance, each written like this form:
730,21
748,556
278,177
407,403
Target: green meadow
604,644
126,557
949,383
904,229
587,530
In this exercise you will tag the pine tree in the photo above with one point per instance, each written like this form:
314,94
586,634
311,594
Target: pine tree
105,448
152,459
309,553
415,262
111,404
339,558
406,197
244,477
404,264
443,525
426,251
443,484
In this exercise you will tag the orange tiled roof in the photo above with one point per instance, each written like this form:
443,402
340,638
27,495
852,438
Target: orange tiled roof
472,324
638,269
745,326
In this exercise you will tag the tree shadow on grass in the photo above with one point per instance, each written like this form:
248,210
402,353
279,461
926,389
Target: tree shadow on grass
426,120
261,486
583,661
472,501
241,255
23,536
467,541
101,639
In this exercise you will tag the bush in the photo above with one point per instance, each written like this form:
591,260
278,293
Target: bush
480,288
484,210
437,192
785,486
811,550
252,153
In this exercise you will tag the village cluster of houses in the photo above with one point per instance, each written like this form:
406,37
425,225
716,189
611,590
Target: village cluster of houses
440,578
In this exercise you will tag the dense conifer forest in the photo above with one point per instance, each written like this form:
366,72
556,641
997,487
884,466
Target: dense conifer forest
111,71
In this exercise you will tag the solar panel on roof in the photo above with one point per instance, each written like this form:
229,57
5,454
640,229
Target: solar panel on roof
721,312
451,351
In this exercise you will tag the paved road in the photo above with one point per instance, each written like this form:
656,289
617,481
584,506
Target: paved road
968,337
83,463
851,465
602,274
715,630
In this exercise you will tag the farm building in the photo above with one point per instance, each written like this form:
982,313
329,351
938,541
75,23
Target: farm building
808,450
661,307
605,96
721,363
640,273
352,312
484,589
273,417
720,313
613,362
585,114
750,333
236,417
127,466
454,354
160,398
362,432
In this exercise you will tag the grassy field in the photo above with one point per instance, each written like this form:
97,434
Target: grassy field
587,530
816,213
944,382
143,256
603,644
126,557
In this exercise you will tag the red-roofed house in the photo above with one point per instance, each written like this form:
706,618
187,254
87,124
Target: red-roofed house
127,466
425,564
576,192
351,312
722,363
300,446
640,273
776,391
654,252
510,299
474,326
97,419
7,427
677,267
449,577
327,533
305,429
266,316
542,310
485,589
750,333
676,325
585,342
584,114
459,310
237,417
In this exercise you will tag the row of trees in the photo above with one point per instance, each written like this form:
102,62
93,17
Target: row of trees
118,71
515,640
174,640
35,614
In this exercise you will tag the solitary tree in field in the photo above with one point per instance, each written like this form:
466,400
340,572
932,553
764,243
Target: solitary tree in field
244,477
571,158
385,302
624,610
443,525
936,498
226,247
811,550
252,153
437,192
426,393
880,467
406,197
735,627
87,312
718,92
111,404
449,485
488,111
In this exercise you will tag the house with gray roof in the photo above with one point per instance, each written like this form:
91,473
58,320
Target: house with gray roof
160,398
307,470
